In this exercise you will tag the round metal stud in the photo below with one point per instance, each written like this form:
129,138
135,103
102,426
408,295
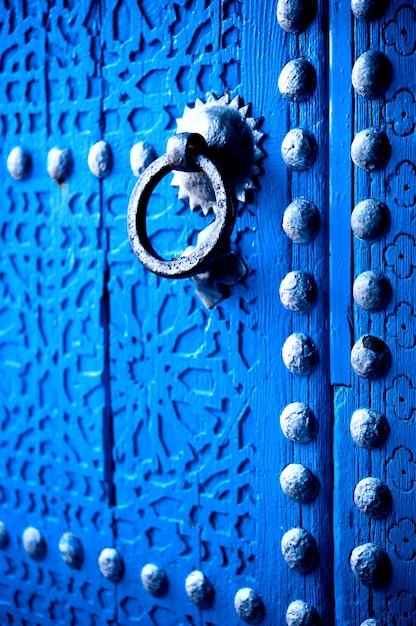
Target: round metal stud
370,357
199,589
19,163
300,613
298,291
141,156
373,498
297,80
71,550
371,622
60,164
301,220
34,544
300,355
369,10
372,291
299,483
371,149
299,550
100,159
298,422
370,220
371,565
111,565
299,149
154,580
294,16
371,74
249,606
369,428
4,536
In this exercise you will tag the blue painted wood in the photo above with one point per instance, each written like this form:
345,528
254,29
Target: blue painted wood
131,416
393,463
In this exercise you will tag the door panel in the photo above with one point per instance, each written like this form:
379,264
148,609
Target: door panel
133,417
391,460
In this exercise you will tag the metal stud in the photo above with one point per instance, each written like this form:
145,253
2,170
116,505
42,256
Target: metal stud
372,291
4,536
298,291
34,544
371,149
369,10
300,613
371,565
370,357
297,80
370,220
199,589
373,498
71,550
111,565
19,163
60,164
299,483
371,622
369,428
300,355
294,16
299,550
100,159
141,156
298,422
301,220
299,149
249,606
154,580
371,74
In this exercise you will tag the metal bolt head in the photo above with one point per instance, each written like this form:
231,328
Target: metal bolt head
371,74
298,291
100,159
370,220
199,589
297,80
298,422
249,606
371,149
373,498
370,357
294,16
60,164
372,291
141,156
299,483
371,565
369,10
300,613
111,565
301,220
369,428
34,544
299,550
300,355
71,550
299,149
154,580
371,622
19,163
4,536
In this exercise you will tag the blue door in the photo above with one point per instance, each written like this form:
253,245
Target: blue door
177,454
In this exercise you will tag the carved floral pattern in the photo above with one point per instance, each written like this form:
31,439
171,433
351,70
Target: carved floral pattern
403,537
402,184
401,609
401,255
402,397
401,469
400,33
400,112
402,325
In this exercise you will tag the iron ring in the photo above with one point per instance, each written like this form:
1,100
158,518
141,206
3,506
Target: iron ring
220,228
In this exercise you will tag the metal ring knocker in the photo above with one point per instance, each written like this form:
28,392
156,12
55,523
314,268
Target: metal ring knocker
185,152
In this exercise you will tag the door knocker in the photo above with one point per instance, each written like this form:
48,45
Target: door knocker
214,158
